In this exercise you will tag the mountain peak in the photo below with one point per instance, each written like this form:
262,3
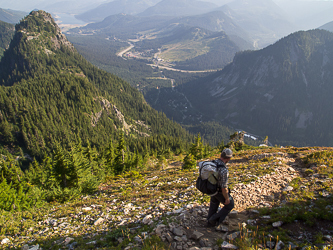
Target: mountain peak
36,42
40,24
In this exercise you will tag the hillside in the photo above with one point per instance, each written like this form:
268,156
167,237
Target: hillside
51,95
282,91
283,199
6,34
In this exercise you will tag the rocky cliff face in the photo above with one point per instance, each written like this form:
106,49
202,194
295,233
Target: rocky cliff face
282,91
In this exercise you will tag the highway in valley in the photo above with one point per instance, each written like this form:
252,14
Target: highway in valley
160,65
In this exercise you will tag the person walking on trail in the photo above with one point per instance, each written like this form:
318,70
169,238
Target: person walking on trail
223,196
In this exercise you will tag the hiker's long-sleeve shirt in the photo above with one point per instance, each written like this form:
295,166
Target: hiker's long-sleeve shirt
223,175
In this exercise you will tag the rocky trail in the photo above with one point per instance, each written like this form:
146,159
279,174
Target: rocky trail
260,193
176,215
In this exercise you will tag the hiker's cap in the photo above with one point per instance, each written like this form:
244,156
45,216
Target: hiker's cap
226,153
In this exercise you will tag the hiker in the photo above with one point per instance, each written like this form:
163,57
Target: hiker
223,196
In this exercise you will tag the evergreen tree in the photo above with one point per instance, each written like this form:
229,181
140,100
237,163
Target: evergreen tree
119,160
189,162
197,150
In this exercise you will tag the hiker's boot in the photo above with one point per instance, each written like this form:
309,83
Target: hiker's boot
221,228
213,220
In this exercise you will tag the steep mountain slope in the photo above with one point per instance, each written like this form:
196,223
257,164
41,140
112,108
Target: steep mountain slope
50,95
283,91
6,34
178,8
130,7
262,19
11,16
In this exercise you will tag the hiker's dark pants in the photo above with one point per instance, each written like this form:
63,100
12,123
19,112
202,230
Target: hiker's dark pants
214,205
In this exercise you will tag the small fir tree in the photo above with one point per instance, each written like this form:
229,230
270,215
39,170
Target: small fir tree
189,162
197,149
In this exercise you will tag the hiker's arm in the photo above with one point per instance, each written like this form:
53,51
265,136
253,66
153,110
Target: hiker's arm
225,195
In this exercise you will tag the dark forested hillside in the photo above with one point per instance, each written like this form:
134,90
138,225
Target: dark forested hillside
6,35
51,95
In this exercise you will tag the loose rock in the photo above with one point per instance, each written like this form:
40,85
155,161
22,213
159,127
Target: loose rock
226,245
277,224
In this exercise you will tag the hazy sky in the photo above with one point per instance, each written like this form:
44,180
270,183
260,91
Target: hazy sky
28,5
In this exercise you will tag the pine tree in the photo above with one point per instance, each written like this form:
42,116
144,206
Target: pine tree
197,150
189,162
119,161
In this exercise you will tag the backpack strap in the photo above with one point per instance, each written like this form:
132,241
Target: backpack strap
218,165
221,166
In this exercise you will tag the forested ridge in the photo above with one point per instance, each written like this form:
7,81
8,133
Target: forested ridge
70,123
6,34
54,93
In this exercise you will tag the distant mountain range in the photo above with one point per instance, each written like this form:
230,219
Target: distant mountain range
283,91
308,14
123,26
328,26
250,24
179,8
56,6
263,20
130,7
11,16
